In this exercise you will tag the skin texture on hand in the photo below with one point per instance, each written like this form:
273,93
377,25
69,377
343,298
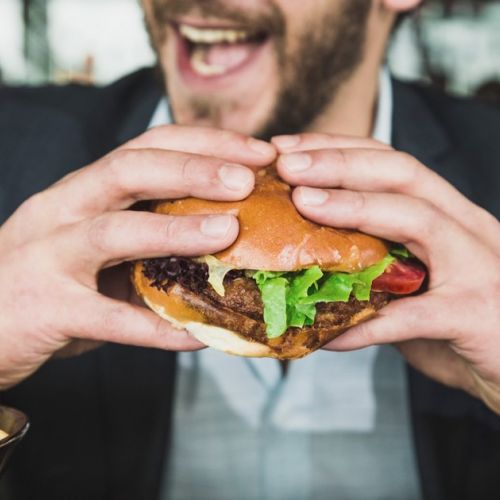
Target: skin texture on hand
451,332
64,285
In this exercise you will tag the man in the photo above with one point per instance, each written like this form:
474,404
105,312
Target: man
102,421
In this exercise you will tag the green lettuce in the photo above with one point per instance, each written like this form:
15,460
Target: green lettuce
274,292
290,299
401,251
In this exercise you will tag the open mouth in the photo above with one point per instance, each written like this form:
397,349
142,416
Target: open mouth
215,52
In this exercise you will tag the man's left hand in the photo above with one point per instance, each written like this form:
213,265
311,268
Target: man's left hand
452,331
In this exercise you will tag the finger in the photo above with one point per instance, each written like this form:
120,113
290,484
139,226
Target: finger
102,319
312,141
400,321
120,236
415,327
126,176
224,144
428,233
384,171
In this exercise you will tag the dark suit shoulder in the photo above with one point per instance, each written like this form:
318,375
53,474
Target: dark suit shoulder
46,132
461,116
90,106
466,129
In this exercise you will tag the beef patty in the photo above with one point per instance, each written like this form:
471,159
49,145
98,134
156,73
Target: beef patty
241,308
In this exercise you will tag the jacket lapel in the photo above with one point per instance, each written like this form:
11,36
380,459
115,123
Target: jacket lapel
137,383
137,386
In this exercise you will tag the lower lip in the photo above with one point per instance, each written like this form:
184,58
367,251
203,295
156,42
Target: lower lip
202,82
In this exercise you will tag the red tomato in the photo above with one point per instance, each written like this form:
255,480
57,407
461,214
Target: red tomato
400,278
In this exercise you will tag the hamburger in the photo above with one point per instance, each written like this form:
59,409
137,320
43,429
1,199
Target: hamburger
286,287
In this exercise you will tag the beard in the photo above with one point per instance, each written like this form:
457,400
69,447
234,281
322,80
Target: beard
326,52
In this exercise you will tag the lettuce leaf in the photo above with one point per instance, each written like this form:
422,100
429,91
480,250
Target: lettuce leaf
274,291
401,251
290,299
300,314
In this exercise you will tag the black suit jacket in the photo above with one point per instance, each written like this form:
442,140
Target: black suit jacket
100,422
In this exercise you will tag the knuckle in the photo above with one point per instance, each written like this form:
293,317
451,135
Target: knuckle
99,234
196,171
34,205
229,136
427,219
174,228
161,330
358,201
112,321
157,133
305,138
189,168
342,162
366,334
410,172
116,170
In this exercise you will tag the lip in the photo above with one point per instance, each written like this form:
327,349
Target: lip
213,82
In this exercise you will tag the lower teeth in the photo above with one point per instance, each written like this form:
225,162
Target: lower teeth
200,66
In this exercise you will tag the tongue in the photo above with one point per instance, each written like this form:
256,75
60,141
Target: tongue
227,55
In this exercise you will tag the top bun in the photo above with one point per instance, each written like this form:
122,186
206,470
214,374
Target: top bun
275,237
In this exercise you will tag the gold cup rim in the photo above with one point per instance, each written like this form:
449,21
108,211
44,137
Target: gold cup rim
17,426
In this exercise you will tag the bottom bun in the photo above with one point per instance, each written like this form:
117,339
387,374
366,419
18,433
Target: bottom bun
217,337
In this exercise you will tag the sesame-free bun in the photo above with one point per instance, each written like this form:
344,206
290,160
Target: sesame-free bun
275,237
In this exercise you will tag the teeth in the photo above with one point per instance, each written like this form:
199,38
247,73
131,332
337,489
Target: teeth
201,67
198,35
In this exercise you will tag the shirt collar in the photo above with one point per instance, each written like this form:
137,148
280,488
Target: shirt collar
382,128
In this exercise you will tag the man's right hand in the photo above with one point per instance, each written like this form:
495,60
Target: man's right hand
56,245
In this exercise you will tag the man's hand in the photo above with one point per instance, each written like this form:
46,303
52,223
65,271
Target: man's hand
451,332
54,247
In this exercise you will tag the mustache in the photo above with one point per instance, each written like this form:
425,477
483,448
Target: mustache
271,20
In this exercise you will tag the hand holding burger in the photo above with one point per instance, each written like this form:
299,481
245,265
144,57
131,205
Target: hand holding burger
451,331
64,289
290,284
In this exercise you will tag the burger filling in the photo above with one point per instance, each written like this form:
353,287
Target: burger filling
287,299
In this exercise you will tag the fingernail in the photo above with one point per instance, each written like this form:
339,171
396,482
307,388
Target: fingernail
235,177
216,226
261,147
286,141
296,162
313,197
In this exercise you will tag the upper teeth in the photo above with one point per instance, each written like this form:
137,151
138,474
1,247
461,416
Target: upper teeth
198,35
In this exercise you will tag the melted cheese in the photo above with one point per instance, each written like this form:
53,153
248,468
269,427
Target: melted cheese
217,271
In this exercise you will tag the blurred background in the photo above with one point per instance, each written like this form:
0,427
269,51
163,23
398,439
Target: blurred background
453,43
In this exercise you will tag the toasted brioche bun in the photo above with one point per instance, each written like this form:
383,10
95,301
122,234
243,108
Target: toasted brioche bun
273,237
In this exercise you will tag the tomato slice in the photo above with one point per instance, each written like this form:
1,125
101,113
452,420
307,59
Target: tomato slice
400,278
